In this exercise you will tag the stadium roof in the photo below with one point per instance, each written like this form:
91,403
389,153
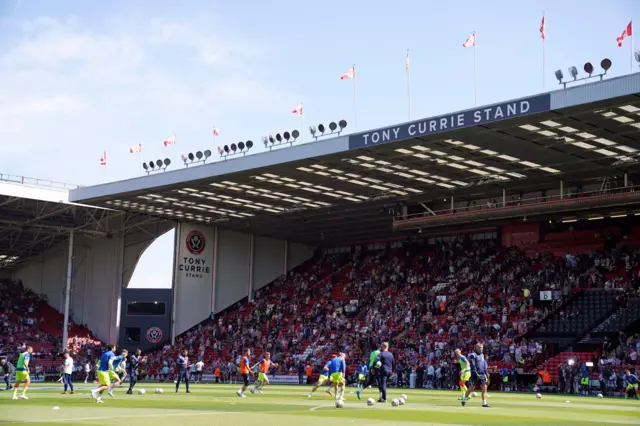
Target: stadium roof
36,215
337,190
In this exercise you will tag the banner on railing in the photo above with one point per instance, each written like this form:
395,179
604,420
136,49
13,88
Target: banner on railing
276,380
546,296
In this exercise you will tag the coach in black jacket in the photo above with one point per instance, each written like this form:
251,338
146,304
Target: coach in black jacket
387,365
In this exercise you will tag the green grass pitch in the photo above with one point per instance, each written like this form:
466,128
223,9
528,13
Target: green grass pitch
209,405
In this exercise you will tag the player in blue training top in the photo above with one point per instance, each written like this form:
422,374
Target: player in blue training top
337,371
105,364
632,384
324,377
361,371
118,373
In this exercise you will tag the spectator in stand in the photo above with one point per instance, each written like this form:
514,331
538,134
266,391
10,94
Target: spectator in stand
6,370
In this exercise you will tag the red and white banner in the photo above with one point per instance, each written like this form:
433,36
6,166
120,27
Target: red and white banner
349,74
299,110
470,41
171,140
135,148
628,32
216,132
543,29
103,159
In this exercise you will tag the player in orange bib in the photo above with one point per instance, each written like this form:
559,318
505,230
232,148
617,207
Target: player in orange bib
245,371
265,365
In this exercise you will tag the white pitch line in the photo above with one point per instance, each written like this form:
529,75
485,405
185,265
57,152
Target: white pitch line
319,406
71,419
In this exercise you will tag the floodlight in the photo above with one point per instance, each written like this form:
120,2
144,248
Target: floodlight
559,76
220,151
321,128
233,147
199,155
573,72
167,162
295,134
605,64
152,164
312,130
159,163
241,146
271,140
265,140
588,68
333,126
226,149
636,55
342,124
286,136
278,137
144,166
191,157
207,154
249,144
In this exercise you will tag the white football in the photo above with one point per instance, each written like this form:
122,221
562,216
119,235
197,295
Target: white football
159,390
600,395
141,391
395,402
378,364
370,401
339,403
538,396
404,396
474,394
401,401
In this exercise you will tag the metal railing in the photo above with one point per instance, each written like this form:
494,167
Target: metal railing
510,204
24,180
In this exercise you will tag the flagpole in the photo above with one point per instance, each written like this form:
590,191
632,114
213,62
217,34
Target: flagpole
355,109
544,39
409,83
631,48
475,73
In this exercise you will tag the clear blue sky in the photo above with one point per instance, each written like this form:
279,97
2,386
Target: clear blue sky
78,77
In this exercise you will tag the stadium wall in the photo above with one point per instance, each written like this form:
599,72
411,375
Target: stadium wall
241,264
101,267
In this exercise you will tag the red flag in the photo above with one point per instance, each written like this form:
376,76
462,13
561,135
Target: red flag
349,74
170,140
135,148
298,110
216,132
626,33
103,159
470,41
542,28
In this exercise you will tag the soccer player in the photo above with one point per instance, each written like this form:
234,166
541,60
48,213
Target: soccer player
245,371
117,373
478,374
465,373
265,365
22,373
105,366
362,375
632,384
134,362
67,373
337,371
324,377
373,373
183,369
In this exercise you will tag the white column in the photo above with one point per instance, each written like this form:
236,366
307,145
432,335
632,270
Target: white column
176,249
252,242
67,292
214,279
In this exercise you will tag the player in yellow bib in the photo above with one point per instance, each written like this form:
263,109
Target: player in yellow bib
465,371
22,373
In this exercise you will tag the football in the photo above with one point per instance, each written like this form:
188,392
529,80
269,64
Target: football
339,403
474,394
538,396
159,390
141,391
600,395
395,402
404,396
370,401
401,400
